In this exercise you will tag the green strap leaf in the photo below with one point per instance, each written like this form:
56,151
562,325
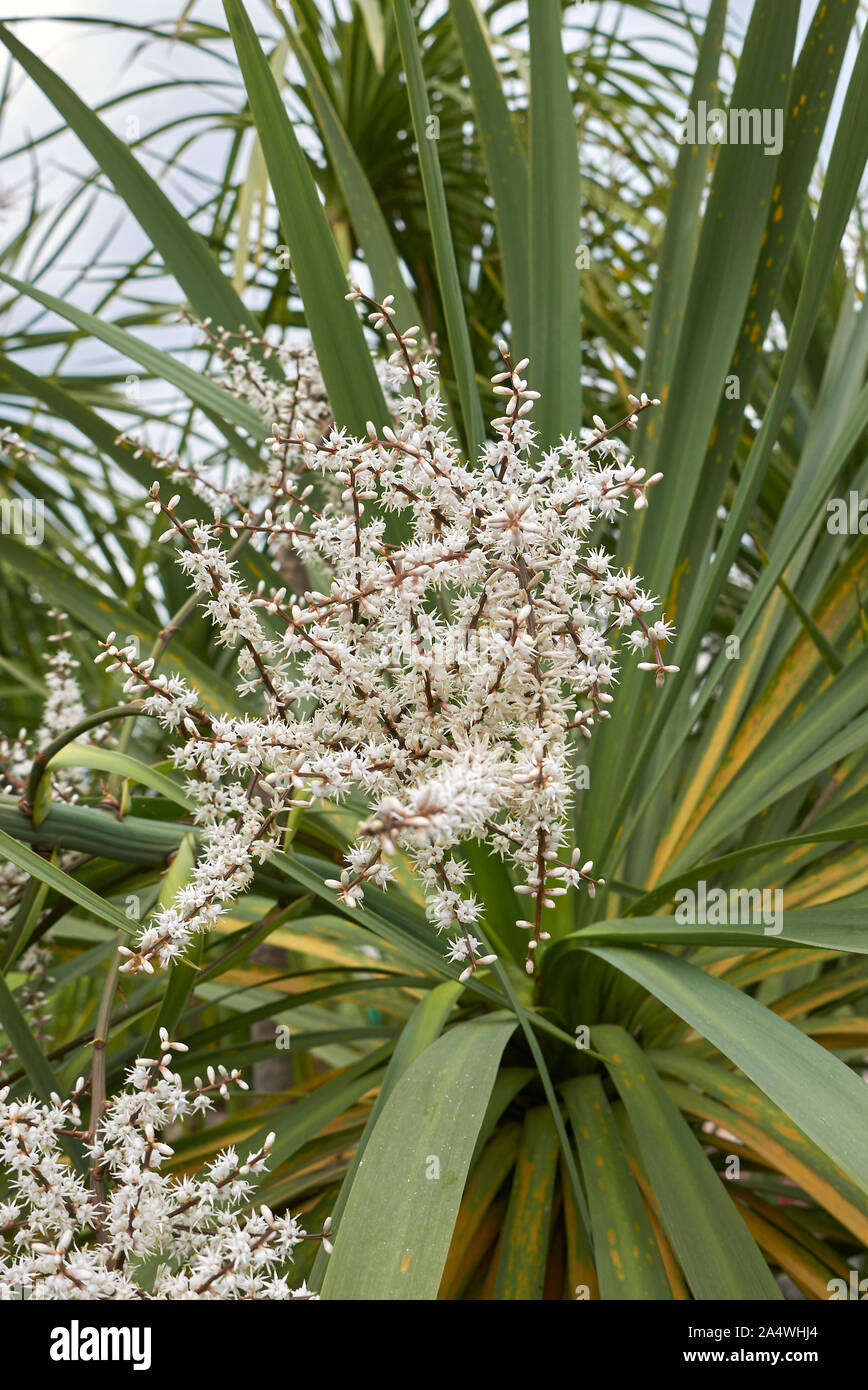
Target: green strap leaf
372,16
507,167
61,882
100,611
826,929
835,727
345,362
394,1236
628,1261
24,922
721,277
423,1027
719,1256
840,185
369,224
121,765
820,1094
219,402
665,891
133,840
720,286
555,232
441,234
27,1049
812,89
679,243
183,250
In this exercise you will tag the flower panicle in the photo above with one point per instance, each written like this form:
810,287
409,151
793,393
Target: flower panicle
447,679
62,1241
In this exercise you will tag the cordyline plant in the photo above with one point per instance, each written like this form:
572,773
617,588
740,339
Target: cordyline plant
664,1108
441,677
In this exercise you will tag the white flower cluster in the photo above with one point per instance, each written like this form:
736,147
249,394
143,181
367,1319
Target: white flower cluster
293,394
134,1231
444,678
63,709
11,441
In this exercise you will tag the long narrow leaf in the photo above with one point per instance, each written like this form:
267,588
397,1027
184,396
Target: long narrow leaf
344,359
395,1233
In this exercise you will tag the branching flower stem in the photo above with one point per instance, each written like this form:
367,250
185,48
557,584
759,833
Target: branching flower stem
442,679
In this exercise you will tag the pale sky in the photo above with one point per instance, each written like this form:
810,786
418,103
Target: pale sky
102,62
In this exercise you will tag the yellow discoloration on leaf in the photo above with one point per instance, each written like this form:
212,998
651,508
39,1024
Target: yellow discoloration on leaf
836,880
680,571
701,791
777,1156
530,1209
797,667
807,1273
470,1245
670,1265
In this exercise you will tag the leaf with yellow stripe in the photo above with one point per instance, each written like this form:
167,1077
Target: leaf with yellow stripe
628,1261
715,1250
522,1266
472,1235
